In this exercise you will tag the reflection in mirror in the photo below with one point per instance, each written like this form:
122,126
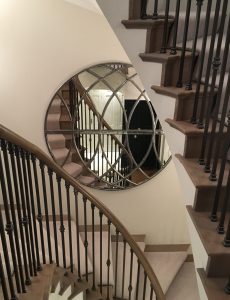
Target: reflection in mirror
103,130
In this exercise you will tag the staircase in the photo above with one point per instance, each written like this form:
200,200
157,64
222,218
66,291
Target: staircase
186,75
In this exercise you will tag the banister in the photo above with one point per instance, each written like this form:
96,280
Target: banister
9,136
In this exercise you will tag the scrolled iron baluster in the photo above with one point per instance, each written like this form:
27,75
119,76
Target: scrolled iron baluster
42,167
39,211
50,173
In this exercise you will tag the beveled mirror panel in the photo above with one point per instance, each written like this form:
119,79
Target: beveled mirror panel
101,127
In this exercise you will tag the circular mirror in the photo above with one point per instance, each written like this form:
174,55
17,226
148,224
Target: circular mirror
103,130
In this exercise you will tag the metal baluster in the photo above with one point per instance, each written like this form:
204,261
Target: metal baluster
78,235
27,198
201,64
144,288
155,11
67,185
22,237
227,288
227,236
24,212
131,273
3,281
94,140
213,216
221,129
175,29
123,269
13,215
86,238
90,137
50,173
9,225
209,65
62,227
42,167
166,25
29,174
217,107
143,14
82,127
116,263
216,65
86,136
199,4
39,215
101,216
6,257
138,278
93,244
151,293
220,228
183,50
108,260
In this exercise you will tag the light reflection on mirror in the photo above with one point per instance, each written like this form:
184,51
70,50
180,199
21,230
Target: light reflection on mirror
101,127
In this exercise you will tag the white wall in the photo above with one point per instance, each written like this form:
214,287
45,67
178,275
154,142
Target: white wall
43,43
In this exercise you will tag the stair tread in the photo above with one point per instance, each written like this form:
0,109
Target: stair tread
73,169
40,285
166,265
184,285
212,241
58,274
214,287
162,57
196,173
176,92
86,180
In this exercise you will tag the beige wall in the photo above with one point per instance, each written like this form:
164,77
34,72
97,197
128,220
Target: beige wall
43,43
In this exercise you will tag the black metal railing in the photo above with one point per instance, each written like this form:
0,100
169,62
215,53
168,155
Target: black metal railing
39,201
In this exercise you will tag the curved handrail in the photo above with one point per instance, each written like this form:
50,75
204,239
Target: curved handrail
14,138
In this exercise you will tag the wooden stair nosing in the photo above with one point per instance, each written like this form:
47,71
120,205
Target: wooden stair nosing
144,24
167,248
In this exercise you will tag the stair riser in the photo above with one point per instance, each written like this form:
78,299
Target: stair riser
218,266
193,146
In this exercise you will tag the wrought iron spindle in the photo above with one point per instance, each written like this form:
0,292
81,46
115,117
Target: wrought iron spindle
213,216
199,4
201,64
77,234
175,29
227,288
17,197
143,14
208,69
6,257
101,249
3,281
86,243
145,284
39,211
12,208
116,263
131,273
28,208
93,245
166,28
67,186
42,167
138,279
220,227
184,43
50,173
108,260
24,212
9,228
215,114
29,174
123,269
62,227
227,236
155,10
216,65
151,293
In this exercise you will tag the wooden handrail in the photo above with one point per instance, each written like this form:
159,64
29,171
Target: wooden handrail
14,138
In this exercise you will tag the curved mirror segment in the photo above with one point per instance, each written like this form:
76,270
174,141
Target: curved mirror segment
103,130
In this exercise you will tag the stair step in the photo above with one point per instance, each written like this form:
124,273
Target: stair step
73,169
86,180
52,122
218,256
184,285
56,141
194,137
205,189
55,106
214,287
62,155
39,288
